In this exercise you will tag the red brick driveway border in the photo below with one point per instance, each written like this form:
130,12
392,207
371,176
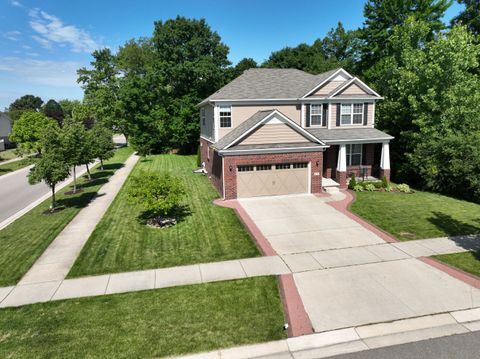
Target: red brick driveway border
344,207
467,278
297,318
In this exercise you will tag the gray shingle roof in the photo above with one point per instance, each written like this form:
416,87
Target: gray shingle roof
267,83
345,134
242,128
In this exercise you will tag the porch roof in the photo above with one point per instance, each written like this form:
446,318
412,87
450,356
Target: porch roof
346,135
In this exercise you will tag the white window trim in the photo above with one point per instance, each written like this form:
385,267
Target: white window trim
203,116
352,113
220,116
348,151
321,114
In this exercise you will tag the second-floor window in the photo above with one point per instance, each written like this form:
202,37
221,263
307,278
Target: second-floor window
225,116
202,116
316,115
352,114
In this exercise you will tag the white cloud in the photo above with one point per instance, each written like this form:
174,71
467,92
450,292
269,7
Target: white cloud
50,29
16,3
12,35
41,72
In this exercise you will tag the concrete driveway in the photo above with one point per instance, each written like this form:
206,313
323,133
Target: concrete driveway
346,275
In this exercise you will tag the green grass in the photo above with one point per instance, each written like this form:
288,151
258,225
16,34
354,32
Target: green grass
23,241
7,155
419,215
209,233
16,165
467,261
146,324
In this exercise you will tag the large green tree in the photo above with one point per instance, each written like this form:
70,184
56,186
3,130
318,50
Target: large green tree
431,106
382,16
53,110
470,16
75,145
23,104
27,131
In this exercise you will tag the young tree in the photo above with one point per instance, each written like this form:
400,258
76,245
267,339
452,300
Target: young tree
75,143
53,110
27,130
470,16
103,146
52,167
158,194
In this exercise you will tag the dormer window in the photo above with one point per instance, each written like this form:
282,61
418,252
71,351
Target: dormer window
225,116
352,114
316,115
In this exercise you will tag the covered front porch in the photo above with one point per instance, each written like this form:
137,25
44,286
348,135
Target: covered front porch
367,161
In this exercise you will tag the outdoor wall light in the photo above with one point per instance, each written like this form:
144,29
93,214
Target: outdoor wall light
230,168
318,163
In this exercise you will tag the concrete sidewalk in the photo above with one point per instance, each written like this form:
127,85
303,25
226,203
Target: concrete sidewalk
45,281
355,339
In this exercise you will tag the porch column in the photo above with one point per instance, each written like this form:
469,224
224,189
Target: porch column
342,166
385,161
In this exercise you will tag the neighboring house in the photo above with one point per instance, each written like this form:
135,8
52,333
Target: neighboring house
282,131
5,130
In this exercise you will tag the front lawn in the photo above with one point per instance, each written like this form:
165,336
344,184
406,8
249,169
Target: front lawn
467,261
121,242
7,155
419,215
16,165
146,324
23,241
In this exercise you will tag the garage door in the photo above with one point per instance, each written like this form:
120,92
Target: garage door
272,180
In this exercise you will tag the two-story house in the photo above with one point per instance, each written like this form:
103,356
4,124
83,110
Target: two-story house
284,131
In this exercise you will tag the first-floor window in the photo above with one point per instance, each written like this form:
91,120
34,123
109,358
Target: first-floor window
354,155
225,116
316,115
351,114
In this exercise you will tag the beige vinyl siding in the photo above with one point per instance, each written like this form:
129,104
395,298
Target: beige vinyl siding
327,88
353,89
207,131
241,113
333,118
273,133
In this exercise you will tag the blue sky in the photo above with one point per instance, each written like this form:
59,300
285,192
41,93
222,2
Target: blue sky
43,43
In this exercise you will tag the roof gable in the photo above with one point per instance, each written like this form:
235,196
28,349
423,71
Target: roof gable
354,87
337,74
268,118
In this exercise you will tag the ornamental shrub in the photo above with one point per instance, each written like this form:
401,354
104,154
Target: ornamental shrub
384,182
403,187
358,188
353,182
159,194
370,187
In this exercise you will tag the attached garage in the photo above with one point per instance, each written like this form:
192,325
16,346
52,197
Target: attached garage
272,179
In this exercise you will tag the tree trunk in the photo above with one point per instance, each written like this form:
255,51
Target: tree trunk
126,139
53,197
74,179
88,172
101,164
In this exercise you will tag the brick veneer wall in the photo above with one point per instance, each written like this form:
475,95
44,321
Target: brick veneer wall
330,164
385,173
213,164
234,161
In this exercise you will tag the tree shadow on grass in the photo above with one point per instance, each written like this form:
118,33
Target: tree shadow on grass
180,212
464,234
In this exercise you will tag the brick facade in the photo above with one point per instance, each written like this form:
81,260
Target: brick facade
231,163
385,173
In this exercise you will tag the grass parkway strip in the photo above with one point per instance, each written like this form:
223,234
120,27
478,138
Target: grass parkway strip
16,165
207,233
146,324
23,241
